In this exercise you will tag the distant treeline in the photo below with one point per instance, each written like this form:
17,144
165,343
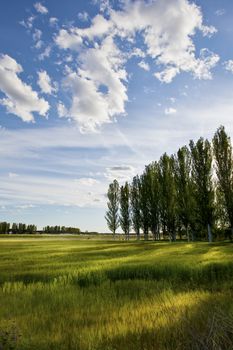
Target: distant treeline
61,229
20,228
187,195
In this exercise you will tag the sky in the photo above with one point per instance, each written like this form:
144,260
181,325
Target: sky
94,90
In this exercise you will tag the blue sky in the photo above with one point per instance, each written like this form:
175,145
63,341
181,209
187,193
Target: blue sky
94,90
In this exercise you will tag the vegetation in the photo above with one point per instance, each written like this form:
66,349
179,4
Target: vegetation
72,293
188,194
20,228
61,229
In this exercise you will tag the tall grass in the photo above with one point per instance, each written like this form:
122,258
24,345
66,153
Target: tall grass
93,295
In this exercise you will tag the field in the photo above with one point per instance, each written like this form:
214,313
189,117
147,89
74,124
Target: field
69,293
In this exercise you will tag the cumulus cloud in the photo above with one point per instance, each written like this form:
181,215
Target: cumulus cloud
45,54
229,66
144,65
20,99
61,110
83,16
164,29
53,21
45,83
98,92
41,8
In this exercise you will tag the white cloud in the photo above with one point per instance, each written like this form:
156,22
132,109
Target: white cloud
20,99
83,16
41,8
166,30
68,39
167,75
45,83
45,53
170,110
208,31
37,34
28,23
61,110
37,38
229,66
144,65
53,21
120,172
101,68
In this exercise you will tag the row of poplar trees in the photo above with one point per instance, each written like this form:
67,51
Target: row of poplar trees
189,194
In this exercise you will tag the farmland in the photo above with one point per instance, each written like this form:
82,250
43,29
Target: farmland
89,294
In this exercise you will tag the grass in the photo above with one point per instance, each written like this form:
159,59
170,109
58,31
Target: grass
67,293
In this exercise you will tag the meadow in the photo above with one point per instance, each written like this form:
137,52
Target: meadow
88,294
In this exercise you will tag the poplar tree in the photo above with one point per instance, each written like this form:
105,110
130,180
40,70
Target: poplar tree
125,220
202,176
144,204
184,186
168,195
135,205
111,216
152,171
224,170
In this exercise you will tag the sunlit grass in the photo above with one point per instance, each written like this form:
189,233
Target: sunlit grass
96,295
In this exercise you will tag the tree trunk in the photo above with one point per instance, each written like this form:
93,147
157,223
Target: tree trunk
210,237
231,235
187,233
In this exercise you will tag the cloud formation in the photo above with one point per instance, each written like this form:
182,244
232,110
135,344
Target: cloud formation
41,8
20,99
166,29
45,83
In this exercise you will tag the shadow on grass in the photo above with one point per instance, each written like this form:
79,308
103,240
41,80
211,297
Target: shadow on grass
206,326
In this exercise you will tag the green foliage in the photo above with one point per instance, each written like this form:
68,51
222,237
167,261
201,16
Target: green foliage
61,229
125,220
179,195
203,182
135,205
113,207
186,205
224,169
168,196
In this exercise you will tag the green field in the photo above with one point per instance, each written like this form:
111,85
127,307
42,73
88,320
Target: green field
70,293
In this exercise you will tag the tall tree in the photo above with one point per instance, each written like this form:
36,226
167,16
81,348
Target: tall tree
111,216
135,205
125,220
168,195
152,171
204,188
224,169
144,204
184,186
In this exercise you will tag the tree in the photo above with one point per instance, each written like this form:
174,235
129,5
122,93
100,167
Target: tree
184,187
152,171
168,195
125,220
144,204
111,216
135,205
224,170
202,176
